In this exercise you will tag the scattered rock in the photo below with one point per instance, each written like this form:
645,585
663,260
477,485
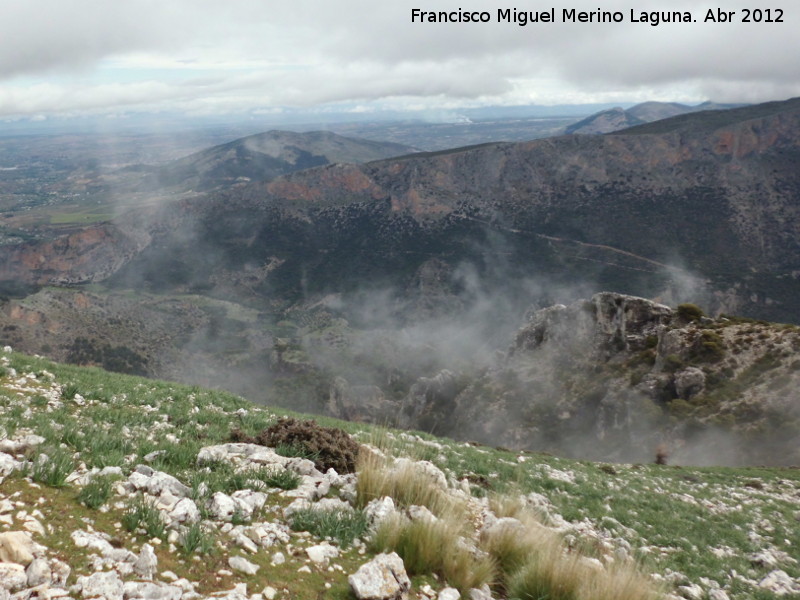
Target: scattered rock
243,565
383,578
16,547
38,573
779,583
449,593
146,565
104,585
322,553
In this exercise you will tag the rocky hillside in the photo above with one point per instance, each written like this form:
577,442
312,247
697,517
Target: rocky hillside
696,207
617,378
615,119
265,156
116,487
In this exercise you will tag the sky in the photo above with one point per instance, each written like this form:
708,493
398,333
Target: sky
62,58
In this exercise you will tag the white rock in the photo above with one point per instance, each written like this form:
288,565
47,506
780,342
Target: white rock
16,547
221,506
243,565
269,593
480,594
691,591
146,590
105,585
717,594
60,572
247,502
378,510
383,578
278,559
779,583
146,564
449,593
185,511
12,577
7,464
322,553
38,572
421,513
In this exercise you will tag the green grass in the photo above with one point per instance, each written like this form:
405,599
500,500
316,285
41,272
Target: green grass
340,525
97,492
141,514
685,511
52,467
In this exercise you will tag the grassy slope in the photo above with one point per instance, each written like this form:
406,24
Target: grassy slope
671,516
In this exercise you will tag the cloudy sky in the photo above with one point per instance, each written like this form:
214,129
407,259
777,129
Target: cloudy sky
204,57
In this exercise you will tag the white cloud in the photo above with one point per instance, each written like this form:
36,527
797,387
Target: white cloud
198,55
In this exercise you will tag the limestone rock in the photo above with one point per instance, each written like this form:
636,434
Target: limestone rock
12,577
779,583
145,590
146,564
16,547
690,382
378,510
38,572
449,593
243,565
383,578
104,586
322,553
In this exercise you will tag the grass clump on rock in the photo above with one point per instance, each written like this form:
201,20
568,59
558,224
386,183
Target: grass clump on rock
331,448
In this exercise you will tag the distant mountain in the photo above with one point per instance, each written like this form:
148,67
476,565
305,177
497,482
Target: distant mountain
264,156
641,211
617,118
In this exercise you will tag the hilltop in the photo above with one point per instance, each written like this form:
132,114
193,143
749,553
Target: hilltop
132,488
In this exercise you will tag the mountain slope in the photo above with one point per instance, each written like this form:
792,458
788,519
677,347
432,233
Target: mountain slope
617,119
721,532
264,156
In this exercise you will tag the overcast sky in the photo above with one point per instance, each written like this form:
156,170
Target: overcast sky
204,57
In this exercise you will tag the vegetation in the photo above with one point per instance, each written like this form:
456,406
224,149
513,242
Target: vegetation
340,525
331,447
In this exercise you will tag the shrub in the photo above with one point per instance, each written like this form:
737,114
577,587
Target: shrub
619,582
332,447
548,574
341,525
434,547
406,484
690,312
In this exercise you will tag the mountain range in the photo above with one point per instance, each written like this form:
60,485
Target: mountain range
387,272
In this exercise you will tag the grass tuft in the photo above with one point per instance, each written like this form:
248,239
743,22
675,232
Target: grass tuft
53,468
97,492
341,525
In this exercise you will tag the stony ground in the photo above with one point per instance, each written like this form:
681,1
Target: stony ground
121,488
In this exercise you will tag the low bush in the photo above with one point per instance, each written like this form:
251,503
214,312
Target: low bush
331,447
433,547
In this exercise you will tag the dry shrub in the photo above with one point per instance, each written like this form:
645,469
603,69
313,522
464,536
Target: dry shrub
328,447
427,546
407,485
548,573
619,582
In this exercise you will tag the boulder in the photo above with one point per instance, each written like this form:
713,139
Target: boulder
12,577
104,586
237,563
16,547
38,573
383,578
146,565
